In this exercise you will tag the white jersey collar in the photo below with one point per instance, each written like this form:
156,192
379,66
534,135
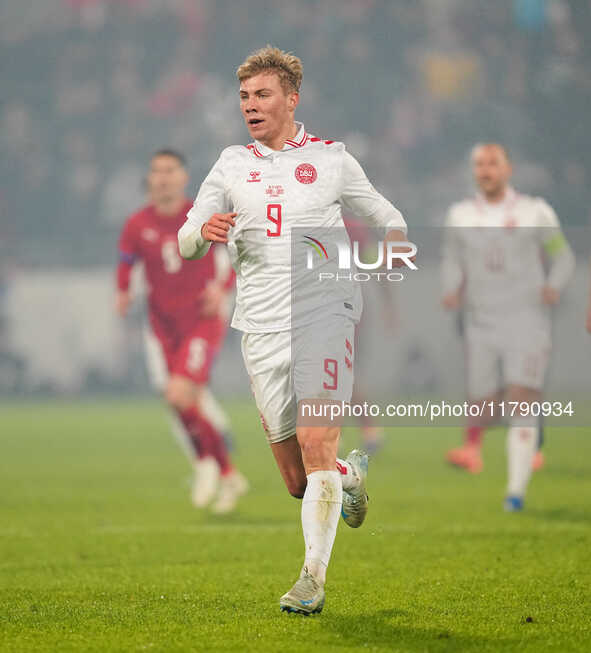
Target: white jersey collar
507,201
298,140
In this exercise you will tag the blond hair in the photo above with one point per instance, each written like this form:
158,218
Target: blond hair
286,65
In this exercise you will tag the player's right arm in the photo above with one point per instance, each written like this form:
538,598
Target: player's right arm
128,254
452,274
359,196
209,219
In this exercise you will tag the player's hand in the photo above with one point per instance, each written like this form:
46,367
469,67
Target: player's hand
452,301
211,299
217,227
550,296
396,236
122,302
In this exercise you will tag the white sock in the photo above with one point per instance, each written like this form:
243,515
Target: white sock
349,478
522,442
321,508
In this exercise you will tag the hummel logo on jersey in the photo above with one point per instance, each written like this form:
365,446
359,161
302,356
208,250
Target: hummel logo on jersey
255,175
274,191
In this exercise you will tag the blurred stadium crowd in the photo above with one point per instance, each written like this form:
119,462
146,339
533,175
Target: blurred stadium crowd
90,88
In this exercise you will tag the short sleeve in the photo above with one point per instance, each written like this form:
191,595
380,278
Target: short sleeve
129,250
546,216
549,232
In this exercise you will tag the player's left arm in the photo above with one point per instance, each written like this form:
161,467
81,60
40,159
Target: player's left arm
129,254
558,251
212,202
452,270
360,197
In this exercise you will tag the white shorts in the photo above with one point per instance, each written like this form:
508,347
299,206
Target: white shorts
310,362
514,353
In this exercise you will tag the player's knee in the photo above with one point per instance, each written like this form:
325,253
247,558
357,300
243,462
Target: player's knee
179,395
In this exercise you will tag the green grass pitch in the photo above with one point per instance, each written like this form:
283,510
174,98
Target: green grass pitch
100,549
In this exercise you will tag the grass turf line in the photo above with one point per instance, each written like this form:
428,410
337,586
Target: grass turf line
100,549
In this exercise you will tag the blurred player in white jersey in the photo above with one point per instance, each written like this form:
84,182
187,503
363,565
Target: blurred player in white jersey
252,199
493,267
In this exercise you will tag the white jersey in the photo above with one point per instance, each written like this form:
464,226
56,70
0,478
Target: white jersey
495,253
300,187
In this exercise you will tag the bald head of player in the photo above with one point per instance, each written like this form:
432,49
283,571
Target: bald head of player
167,180
270,82
492,170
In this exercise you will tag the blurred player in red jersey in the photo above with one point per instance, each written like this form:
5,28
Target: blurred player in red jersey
187,324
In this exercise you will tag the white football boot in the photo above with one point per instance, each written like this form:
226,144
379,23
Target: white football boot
355,502
305,597
231,488
205,485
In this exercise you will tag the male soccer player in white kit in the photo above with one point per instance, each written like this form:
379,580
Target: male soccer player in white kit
494,246
251,199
